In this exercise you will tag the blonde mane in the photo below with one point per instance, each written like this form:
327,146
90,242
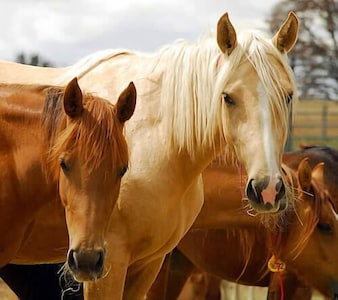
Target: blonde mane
193,82
96,133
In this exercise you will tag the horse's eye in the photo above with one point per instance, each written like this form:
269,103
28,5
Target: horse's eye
63,165
324,227
227,99
288,98
123,171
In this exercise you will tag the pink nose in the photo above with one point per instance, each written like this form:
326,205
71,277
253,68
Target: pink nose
269,194
266,195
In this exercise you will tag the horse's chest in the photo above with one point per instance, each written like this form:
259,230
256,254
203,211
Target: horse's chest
168,219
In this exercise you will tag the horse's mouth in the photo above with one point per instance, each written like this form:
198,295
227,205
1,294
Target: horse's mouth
267,208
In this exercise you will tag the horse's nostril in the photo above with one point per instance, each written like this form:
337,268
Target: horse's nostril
99,263
280,189
279,185
252,192
72,260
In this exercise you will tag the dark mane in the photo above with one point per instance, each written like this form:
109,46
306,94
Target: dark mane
52,115
331,152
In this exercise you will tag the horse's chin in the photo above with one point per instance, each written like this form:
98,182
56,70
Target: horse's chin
272,217
85,276
267,208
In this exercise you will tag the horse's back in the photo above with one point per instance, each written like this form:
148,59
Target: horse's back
11,72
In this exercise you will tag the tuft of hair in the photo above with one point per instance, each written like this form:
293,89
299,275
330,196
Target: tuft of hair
97,133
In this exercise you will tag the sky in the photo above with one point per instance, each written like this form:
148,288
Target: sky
64,31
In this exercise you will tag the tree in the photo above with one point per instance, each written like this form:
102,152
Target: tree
314,58
33,60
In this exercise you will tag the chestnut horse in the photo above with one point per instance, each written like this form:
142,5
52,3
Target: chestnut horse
60,143
227,94
237,247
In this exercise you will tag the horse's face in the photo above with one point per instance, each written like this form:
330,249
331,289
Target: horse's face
89,180
249,109
257,113
317,235
88,198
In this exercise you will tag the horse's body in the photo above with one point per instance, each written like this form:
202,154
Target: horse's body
48,139
194,101
237,247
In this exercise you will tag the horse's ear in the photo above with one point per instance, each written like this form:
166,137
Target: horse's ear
72,99
125,105
318,173
226,35
287,35
304,174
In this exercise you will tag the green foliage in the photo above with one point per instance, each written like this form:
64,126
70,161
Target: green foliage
33,59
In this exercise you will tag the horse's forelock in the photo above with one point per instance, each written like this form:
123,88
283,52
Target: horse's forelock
100,132
95,134
312,216
305,213
260,52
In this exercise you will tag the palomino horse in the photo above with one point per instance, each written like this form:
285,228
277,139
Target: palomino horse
70,146
239,250
225,93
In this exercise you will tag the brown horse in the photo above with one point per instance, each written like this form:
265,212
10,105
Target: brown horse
60,143
305,239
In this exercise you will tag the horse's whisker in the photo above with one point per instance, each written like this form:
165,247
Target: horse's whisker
305,192
106,271
251,213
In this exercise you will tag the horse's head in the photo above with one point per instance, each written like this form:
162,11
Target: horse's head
93,156
311,241
256,98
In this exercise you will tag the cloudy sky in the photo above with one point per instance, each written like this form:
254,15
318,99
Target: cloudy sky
63,31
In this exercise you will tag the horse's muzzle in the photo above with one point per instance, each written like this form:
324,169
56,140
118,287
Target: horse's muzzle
266,196
86,265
